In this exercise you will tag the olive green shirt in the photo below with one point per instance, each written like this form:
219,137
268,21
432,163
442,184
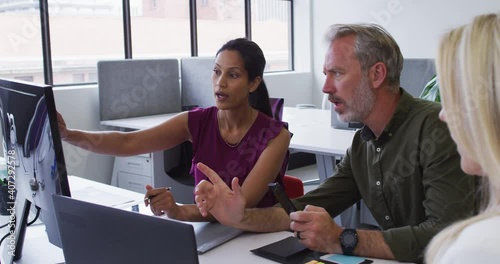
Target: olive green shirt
410,179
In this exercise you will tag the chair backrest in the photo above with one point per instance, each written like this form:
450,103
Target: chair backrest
277,107
294,187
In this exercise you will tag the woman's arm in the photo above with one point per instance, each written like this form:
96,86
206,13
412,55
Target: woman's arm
164,136
266,169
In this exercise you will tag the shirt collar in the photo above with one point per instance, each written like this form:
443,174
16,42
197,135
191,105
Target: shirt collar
403,108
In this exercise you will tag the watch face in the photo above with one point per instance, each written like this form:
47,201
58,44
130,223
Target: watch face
349,238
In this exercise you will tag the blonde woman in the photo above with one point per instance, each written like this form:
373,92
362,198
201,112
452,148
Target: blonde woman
468,67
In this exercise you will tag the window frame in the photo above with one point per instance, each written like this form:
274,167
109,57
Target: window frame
46,47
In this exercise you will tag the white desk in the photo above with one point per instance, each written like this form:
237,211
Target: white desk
38,250
137,123
313,133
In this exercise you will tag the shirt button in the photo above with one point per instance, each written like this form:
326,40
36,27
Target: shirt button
387,218
390,134
378,149
378,183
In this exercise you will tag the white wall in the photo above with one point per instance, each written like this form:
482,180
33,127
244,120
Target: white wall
416,25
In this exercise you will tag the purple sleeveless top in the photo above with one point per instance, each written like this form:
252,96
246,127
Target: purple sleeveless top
231,161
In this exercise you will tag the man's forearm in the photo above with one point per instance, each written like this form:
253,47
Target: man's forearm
191,213
270,219
372,244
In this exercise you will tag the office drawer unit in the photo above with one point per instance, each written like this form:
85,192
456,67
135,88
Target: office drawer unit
133,182
133,173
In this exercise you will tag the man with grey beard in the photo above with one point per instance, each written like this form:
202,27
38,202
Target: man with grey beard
402,163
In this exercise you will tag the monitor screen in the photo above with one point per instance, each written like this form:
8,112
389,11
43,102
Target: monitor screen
32,149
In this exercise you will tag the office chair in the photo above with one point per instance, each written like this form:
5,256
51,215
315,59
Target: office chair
293,186
277,107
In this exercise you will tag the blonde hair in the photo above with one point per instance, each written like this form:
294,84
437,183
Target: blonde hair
468,67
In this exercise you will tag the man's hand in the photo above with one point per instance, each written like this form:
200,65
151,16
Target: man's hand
317,229
226,205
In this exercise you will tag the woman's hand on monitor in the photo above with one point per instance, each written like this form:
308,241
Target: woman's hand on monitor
63,130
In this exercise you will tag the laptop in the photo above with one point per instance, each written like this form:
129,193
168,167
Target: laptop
208,235
213,234
92,233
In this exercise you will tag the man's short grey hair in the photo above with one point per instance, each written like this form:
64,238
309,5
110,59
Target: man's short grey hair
373,44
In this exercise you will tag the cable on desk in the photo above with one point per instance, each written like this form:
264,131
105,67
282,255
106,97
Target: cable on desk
36,216
30,223
4,237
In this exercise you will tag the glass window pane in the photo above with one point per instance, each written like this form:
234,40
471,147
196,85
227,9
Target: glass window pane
82,33
161,29
21,45
218,22
271,25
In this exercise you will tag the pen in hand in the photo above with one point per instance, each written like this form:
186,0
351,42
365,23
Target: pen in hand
148,198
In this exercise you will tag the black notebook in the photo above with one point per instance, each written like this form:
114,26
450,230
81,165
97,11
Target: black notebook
288,250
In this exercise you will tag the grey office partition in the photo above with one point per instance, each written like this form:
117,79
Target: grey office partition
132,88
416,74
196,81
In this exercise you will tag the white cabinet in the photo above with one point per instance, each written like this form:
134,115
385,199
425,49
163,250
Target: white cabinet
133,182
133,173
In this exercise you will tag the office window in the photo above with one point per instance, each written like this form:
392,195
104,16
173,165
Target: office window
24,78
162,31
78,78
21,45
92,77
218,22
82,33
271,29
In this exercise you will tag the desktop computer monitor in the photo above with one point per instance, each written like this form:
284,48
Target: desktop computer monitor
35,163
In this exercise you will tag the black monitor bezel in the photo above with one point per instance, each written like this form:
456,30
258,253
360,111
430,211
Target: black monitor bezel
21,216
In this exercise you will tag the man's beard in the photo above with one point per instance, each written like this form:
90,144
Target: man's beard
360,105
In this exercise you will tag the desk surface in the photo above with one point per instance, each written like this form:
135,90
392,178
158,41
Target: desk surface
37,249
311,130
313,133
